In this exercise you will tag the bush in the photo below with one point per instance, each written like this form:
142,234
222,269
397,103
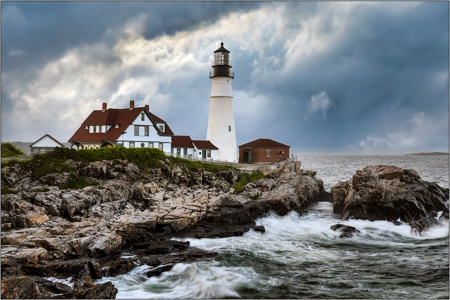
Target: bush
75,182
54,161
246,178
9,150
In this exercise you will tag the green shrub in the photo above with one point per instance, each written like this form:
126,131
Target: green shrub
75,182
246,178
9,150
54,161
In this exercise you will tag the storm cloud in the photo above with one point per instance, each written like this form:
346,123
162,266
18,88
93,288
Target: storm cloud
361,77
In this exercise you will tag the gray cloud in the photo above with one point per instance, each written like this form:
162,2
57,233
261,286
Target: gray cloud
382,64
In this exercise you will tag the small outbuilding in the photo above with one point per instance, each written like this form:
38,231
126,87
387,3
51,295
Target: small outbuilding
44,144
263,151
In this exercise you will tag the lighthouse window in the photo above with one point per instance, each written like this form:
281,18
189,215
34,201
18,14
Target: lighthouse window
229,128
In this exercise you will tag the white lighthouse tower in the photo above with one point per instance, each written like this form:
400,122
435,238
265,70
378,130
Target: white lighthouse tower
221,131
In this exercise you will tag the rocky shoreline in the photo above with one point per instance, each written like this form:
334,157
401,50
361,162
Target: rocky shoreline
57,242
48,232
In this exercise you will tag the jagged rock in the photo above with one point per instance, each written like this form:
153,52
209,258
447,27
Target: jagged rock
117,267
389,193
57,179
159,270
259,228
164,247
12,174
100,291
105,245
347,231
20,288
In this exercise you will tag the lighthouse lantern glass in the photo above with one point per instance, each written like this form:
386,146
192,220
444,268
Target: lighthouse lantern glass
221,58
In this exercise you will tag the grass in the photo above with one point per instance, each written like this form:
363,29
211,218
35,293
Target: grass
9,150
7,190
246,178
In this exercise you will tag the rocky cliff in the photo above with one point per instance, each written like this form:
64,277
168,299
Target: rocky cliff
80,235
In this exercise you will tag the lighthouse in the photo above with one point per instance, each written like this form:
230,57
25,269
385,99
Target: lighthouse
221,131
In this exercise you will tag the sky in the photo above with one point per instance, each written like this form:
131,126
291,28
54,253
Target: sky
322,77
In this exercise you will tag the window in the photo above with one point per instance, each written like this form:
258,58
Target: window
141,130
280,154
268,153
185,151
208,153
131,144
229,128
95,129
178,151
160,146
142,145
150,144
142,117
161,127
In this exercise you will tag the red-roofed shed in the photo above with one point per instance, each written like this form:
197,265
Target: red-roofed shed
263,151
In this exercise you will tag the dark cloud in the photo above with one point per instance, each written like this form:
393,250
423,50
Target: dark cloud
383,66
378,75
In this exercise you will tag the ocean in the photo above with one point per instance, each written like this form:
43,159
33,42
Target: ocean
299,256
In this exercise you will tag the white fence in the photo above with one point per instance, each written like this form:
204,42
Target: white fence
205,160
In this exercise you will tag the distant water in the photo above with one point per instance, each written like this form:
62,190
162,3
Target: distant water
301,257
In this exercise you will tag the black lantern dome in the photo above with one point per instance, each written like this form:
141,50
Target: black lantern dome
221,63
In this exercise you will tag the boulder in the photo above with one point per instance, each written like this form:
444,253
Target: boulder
99,291
385,192
347,231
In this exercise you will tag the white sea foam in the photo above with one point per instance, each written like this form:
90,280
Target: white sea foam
196,280
67,281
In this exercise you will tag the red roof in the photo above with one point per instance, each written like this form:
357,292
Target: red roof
182,141
264,143
121,117
204,145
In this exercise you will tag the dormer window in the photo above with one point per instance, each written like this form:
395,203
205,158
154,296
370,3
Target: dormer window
161,127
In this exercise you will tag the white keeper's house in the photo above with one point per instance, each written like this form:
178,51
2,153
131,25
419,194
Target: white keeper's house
136,127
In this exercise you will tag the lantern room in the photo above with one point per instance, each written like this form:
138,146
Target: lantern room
221,63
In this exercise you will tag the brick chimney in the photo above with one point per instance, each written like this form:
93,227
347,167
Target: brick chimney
104,107
131,104
147,108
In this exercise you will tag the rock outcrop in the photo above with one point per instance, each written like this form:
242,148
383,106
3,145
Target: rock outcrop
390,193
81,234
